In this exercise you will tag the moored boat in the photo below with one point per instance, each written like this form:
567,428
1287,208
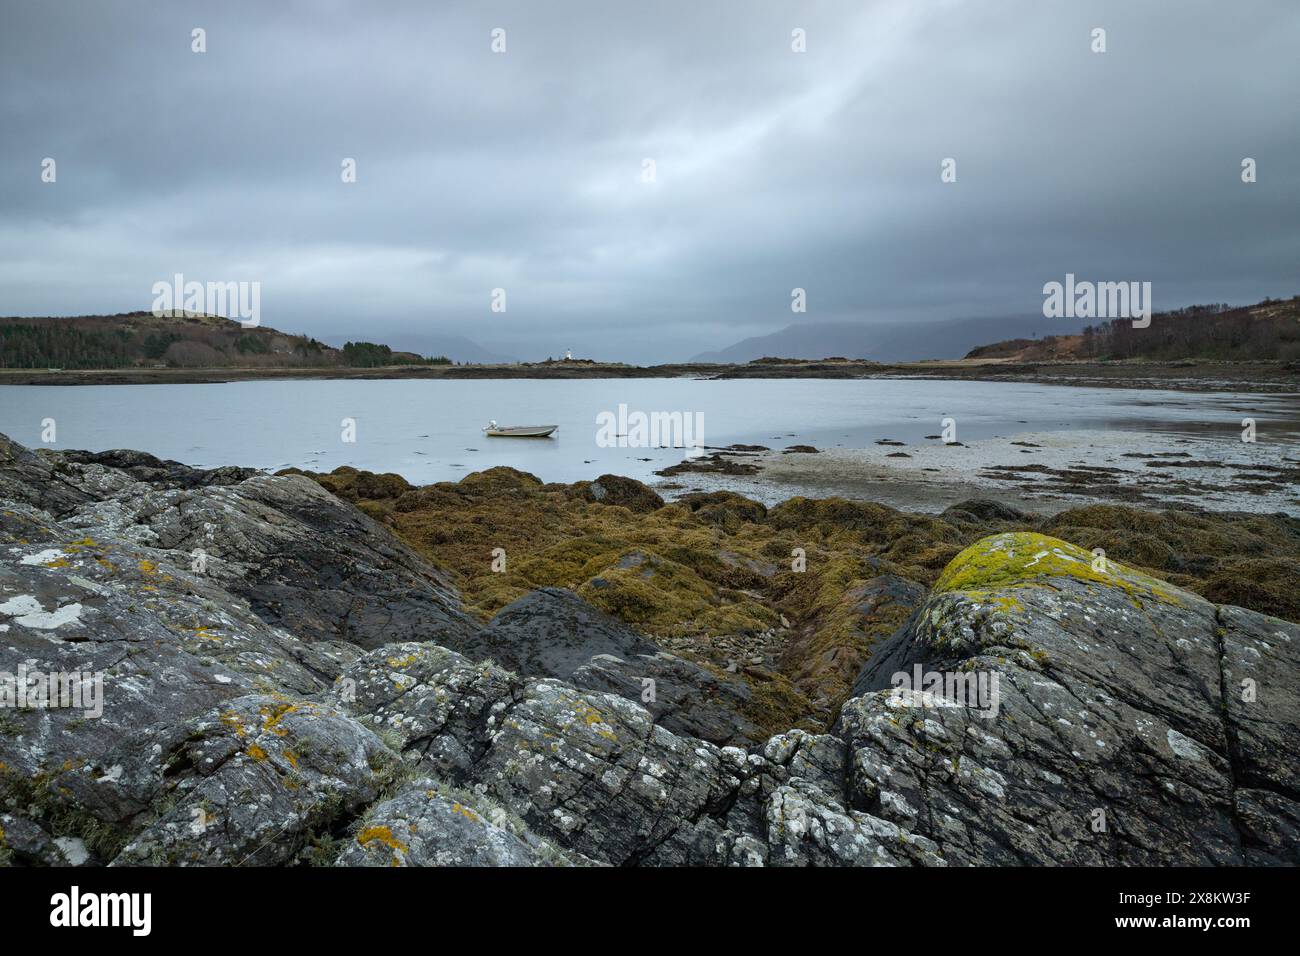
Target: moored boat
493,430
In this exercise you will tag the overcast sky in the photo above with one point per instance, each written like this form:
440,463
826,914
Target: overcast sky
523,170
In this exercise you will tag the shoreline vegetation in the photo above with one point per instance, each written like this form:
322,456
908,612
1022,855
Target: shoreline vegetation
1182,375
1199,348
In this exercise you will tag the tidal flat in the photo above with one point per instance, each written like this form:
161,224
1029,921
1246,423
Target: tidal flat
1042,472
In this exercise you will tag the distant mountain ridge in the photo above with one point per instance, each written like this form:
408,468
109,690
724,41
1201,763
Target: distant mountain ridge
886,342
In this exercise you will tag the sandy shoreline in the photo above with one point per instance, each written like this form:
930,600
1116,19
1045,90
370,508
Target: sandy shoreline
1042,472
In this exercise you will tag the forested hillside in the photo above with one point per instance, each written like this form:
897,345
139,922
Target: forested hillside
141,339
1268,330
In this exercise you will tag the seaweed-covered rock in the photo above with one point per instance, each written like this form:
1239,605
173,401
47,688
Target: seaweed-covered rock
830,655
724,508
623,492
983,510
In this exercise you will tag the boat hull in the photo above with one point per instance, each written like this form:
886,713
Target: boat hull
521,431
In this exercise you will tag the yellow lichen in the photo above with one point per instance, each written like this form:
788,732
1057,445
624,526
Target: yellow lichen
234,722
273,715
1021,558
595,720
382,835
466,812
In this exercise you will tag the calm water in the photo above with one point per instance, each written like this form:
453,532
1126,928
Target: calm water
430,431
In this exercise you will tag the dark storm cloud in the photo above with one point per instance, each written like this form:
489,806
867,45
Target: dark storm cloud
522,170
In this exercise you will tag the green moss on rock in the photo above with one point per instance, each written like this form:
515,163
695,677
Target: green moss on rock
1017,559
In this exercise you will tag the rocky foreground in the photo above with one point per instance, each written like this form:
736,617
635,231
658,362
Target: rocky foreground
286,680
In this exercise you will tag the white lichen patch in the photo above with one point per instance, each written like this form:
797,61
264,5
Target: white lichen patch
43,558
1183,746
27,611
74,850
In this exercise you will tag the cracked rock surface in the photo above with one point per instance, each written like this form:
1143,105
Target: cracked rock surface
314,694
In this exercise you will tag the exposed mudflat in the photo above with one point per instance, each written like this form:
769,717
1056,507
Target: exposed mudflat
1043,472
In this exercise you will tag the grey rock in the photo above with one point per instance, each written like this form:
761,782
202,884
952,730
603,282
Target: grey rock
425,824
23,843
155,471
165,645
551,632
682,696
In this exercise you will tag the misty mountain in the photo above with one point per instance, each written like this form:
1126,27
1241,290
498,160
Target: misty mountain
890,341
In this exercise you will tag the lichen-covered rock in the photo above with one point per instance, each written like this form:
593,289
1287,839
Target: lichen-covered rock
593,773
806,829
1121,731
426,824
300,557
246,783
680,695
427,700
144,639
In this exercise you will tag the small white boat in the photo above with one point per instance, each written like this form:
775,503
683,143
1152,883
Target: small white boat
493,430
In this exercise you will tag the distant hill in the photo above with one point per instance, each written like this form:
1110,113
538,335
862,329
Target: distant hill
885,342
176,340
1267,330
458,348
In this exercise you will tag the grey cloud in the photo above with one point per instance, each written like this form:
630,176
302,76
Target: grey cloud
521,171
